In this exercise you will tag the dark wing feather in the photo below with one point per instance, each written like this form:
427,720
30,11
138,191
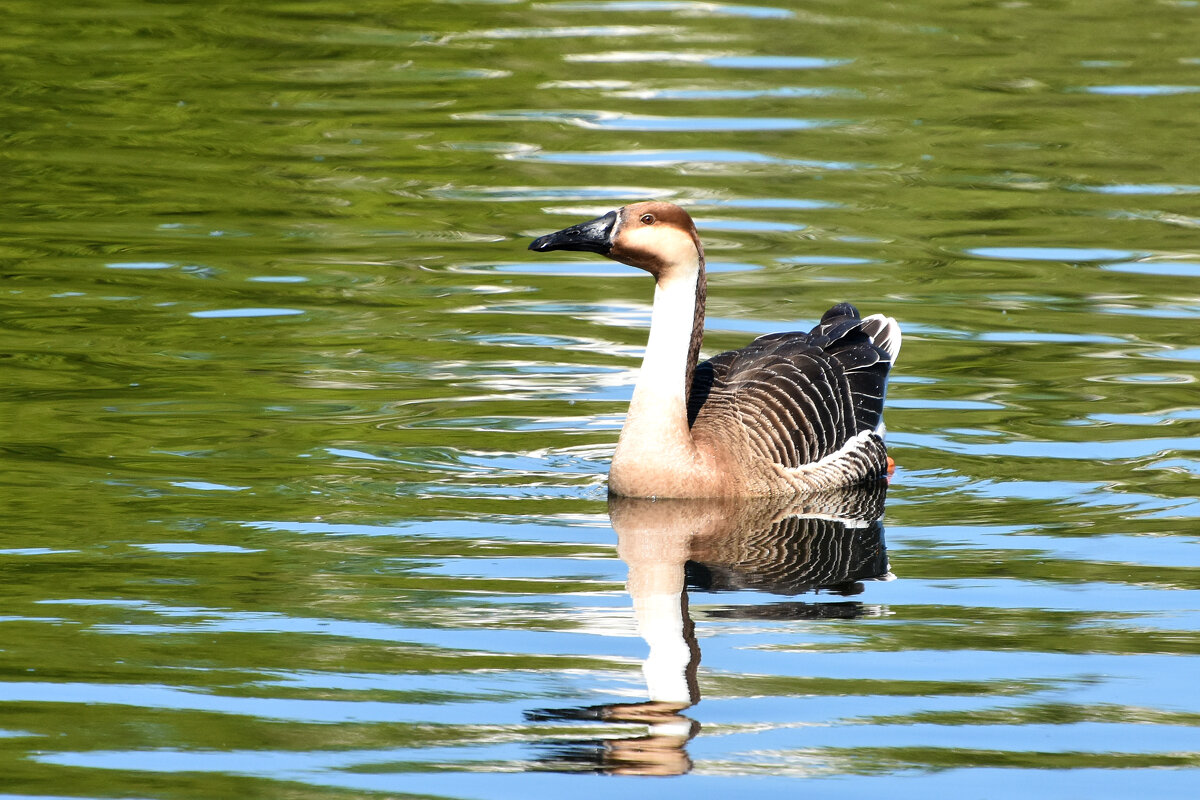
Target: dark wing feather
799,396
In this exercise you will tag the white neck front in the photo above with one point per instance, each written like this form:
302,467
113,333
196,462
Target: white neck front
665,363
657,418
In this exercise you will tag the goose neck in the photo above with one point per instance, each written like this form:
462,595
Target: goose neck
673,346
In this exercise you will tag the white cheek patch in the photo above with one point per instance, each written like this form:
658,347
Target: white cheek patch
665,244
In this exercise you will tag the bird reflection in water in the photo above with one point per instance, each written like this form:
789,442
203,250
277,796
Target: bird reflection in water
827,542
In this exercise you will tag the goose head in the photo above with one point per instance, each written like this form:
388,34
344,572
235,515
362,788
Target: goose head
655,236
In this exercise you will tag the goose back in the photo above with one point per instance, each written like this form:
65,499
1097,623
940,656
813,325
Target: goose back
804,408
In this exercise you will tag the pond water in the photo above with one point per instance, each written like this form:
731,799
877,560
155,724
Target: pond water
304,454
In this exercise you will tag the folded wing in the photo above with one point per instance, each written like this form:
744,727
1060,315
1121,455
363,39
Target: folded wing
800,397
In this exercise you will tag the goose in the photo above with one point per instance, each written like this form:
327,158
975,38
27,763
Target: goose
791,413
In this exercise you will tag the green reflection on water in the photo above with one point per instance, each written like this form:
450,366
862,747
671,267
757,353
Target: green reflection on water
266,416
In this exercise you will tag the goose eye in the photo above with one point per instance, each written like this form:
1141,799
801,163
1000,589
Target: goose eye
647,219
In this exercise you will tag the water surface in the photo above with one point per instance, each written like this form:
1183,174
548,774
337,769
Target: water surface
304,453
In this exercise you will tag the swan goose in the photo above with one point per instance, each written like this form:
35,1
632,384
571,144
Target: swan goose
791,413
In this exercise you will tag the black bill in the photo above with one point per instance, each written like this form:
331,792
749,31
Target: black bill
590,237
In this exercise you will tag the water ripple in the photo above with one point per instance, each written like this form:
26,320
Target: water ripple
1137,188
231,313
492,194
617,121
1139,91
692,93
681,8
1171,269
678,158
605,31
1065,254
725,60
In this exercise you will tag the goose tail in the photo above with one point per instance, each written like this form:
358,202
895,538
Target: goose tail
866,349
884,333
